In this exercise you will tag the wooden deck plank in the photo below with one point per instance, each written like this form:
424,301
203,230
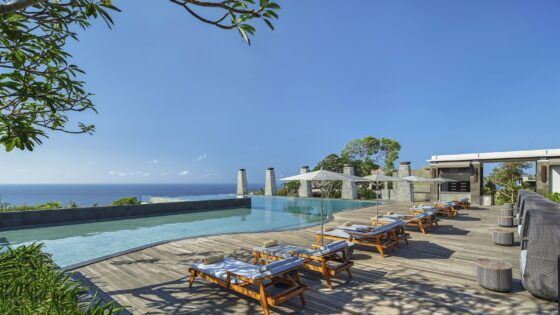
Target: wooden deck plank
435,273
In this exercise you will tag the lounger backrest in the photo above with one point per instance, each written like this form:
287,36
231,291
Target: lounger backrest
330,248
277,267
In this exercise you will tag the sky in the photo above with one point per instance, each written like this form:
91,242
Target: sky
183,102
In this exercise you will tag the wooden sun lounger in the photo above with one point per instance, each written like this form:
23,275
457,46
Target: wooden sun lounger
447,208
254,286
381,239
420,221
316,259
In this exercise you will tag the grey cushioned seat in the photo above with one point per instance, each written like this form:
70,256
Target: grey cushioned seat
254,272
285,250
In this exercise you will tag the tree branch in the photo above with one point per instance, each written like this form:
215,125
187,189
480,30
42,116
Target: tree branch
17,5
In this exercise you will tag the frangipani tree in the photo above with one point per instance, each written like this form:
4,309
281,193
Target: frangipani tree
40,89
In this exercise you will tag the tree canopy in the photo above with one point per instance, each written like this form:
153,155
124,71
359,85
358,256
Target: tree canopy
365,155
40,89
508,177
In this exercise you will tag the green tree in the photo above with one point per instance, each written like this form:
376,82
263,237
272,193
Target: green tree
40,89
126,201
366,154
508,179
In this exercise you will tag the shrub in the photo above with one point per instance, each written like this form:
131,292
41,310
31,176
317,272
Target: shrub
31,284
126,201
553,196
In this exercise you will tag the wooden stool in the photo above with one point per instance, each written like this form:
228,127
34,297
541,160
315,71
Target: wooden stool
502,237
505,221
494,275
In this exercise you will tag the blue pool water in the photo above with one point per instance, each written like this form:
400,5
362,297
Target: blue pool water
76,243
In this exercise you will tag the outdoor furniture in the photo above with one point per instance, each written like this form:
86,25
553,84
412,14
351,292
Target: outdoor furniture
540,249
506,221
432,213
422,221
502,237
506,212
494,275
313,259
253,280
383,237
447,208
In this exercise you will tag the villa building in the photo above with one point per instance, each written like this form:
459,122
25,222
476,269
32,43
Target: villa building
468,170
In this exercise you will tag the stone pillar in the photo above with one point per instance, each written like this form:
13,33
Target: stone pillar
404,189
476,182
242,182
543,177
270,182
348,187
434,187
305,185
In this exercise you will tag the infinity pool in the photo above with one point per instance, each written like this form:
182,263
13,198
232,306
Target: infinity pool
77,243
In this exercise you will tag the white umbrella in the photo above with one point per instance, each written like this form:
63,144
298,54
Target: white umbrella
381,178
322,177
417,179
441,180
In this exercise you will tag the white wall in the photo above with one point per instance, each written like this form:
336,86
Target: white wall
555,178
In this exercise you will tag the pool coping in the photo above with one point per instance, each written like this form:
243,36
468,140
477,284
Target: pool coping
139,248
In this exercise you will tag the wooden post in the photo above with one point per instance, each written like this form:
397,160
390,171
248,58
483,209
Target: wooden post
494,275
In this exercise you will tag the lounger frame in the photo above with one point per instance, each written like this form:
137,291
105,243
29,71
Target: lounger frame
289,277
339,256
388,240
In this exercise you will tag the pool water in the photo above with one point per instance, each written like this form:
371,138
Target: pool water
77,243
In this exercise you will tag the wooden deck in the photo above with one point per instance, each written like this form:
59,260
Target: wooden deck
434,274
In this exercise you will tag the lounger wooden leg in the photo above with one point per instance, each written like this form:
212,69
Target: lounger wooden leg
349,273
379,248
264,303
421,226
256,257
326,274
191,279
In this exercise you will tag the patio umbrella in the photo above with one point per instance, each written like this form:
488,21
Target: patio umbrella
323,179
381,178
415,179
441,180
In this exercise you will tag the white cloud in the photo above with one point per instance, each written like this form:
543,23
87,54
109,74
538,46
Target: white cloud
111,173
183,173
145,174
201,157
121,174
154,162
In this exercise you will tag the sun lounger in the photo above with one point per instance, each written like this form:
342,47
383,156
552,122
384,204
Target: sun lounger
253,280
317,259
422,221
448,208
464,203
379,237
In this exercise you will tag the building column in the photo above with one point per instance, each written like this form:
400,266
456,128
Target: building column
476,182
305,185
270,182
543,177
348,187
242,182
434,187
404,189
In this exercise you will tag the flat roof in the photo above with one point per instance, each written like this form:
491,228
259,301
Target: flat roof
497,156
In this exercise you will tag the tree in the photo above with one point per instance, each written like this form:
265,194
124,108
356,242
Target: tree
507,177
367,153
40,89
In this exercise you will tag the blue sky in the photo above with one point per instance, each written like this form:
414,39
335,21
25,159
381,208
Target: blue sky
180,101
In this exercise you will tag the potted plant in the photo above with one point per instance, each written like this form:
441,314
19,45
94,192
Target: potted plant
488,192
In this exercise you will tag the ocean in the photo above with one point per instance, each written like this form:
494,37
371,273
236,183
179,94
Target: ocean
103,194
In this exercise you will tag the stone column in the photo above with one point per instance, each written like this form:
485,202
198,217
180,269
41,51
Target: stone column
270,182
404,189
348,187
242,182
476,182
305,185
543,174
434,187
